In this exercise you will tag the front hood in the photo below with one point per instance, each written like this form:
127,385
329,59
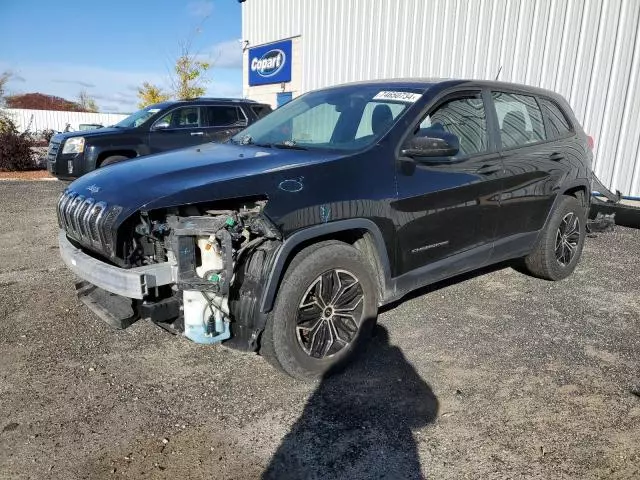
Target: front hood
100,132
188,175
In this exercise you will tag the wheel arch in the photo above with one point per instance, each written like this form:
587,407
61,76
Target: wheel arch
125,152
579,189
362,233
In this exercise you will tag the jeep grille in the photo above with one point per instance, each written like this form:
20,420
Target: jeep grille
87,221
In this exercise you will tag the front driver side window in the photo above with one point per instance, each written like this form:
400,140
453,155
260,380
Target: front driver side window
463,118
186,117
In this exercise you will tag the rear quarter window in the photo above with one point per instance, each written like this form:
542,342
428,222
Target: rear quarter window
261,110
556,121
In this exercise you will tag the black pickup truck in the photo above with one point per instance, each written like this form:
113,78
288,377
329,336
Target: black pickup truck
156,128
287,238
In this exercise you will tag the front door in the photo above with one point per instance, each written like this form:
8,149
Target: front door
181,127
449,205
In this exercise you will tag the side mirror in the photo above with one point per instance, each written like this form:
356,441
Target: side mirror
240,123
432,146
161,126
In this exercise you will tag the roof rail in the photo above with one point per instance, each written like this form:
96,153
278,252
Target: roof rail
222,99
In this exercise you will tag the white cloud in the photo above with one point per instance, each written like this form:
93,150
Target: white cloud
200,8
110,88
226,54
114,90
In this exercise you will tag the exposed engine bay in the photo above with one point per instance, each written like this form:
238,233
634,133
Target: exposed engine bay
219,258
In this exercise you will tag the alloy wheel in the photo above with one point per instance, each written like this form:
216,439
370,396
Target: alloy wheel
330,313
567,239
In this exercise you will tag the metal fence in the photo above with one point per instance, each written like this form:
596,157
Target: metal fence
38,120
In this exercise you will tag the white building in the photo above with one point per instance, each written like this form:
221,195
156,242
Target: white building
587,50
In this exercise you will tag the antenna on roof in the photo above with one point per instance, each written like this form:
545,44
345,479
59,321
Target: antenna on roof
498,74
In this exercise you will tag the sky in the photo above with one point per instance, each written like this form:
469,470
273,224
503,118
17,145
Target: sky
110,47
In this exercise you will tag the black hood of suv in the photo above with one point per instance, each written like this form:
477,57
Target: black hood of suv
195,174
100,132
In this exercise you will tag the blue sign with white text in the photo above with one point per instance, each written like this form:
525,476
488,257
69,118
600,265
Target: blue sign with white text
270,63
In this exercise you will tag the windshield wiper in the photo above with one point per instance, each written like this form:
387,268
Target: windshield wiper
288,145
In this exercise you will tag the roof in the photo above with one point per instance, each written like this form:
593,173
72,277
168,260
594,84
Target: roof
205,99
426,83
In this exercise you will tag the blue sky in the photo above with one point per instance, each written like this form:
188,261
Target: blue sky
110,47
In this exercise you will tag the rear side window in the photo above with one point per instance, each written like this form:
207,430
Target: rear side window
222,116
463,117
261,110
519,119
557,124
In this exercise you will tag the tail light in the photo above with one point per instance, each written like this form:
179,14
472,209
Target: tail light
590,142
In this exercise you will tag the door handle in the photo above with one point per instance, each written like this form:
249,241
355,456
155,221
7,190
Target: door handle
489,169
556,156
193,134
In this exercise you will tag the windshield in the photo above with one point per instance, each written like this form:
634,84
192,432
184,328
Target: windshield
138,118
344,118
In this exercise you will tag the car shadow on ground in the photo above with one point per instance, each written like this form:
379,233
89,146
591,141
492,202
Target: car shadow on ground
358,423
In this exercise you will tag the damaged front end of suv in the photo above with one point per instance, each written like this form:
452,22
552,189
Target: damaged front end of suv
196,270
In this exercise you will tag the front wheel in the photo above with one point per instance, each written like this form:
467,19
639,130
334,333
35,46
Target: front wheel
560,244
113,159
325,308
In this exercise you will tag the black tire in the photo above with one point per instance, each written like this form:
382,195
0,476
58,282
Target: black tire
552,258
113,159
283,342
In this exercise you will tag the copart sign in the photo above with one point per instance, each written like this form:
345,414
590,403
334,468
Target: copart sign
270,63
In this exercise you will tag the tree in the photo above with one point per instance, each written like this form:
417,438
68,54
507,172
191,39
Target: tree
150,94
6,122
86,102
189,75
4,79
40,101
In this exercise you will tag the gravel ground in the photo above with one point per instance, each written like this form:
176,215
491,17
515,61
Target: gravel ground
494,375
28,175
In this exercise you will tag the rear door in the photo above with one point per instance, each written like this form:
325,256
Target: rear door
223,121
180,127
534,165
449,205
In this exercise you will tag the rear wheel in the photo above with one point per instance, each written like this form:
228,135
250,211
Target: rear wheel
325,308
560,245
113,159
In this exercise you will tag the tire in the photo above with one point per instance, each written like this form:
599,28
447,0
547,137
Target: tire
301,349
113,159
560,244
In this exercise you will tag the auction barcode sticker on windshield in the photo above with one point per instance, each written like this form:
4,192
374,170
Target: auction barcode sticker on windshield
398,96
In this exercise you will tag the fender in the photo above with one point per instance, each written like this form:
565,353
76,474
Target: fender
562,189
277,271
93,152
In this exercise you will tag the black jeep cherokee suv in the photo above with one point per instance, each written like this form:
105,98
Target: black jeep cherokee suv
286,239
156,128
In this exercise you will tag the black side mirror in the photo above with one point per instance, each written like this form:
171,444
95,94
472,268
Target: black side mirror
432,146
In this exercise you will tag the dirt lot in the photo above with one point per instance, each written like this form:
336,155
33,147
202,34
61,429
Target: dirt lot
492,376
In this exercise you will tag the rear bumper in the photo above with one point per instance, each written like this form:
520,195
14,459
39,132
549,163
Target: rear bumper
131,283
